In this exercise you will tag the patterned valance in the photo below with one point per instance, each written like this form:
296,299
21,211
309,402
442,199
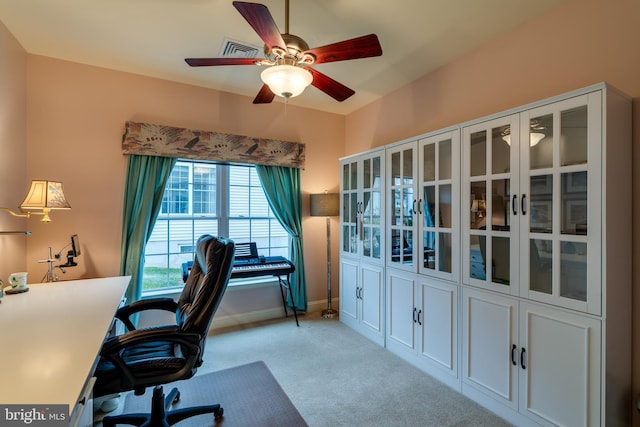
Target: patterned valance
155,140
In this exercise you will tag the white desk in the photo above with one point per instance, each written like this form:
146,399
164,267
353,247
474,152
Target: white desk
50,337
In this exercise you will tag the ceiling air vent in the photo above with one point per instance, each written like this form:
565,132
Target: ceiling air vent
235,49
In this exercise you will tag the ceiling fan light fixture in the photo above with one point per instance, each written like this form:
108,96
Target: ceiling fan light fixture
286,81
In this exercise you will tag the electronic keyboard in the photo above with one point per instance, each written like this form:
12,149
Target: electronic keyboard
261,266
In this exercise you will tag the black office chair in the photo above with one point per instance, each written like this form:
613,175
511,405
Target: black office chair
142,358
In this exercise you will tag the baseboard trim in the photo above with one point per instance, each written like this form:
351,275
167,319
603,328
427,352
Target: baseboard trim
247,318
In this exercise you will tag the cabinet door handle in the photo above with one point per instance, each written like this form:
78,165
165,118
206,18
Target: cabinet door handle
514,204
523,357
420,206
419,313
524,204
414,207
361,291
414,315
514,355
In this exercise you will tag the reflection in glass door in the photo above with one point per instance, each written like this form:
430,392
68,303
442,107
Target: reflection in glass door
371,221
401,165
350,207
559,227
436,207
490,150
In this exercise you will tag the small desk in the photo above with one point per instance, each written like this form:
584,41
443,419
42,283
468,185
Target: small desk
50,338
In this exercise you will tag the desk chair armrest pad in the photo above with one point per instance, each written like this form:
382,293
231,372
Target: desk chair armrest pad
124,313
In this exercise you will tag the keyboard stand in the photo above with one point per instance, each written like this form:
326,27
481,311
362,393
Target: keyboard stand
276,266
284,283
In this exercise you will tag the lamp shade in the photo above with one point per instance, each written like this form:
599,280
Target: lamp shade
44,196
325,204
286,80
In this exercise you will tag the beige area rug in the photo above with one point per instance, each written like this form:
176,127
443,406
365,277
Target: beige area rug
249,395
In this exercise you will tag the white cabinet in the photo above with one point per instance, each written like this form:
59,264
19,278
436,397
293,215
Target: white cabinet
533,197
422,323
362,243
542,362
349,290
505,257
362,207
423,205
423,213
545,233
362,297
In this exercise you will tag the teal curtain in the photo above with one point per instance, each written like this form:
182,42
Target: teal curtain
146,179
282,187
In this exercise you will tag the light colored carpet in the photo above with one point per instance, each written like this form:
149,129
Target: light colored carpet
336,377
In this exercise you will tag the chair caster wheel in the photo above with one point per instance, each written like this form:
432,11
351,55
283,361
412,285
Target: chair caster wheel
218,414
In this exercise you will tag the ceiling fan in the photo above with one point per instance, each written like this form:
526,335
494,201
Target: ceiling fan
288,57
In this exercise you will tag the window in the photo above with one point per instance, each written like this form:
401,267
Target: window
208,198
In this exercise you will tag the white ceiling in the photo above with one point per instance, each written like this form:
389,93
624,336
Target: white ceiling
152,37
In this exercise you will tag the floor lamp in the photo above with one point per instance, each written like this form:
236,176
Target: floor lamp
326,205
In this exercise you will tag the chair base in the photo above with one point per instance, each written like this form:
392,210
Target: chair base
160,416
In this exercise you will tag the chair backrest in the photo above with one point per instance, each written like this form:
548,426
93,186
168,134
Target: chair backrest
206,285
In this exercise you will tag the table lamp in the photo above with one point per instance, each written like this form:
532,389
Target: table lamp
326,205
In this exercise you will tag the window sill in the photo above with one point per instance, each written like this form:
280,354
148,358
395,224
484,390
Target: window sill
234,285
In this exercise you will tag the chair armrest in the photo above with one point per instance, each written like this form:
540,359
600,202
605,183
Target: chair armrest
170,333
113,348
124,313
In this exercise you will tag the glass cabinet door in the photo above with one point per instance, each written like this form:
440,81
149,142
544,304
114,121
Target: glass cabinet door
561,175
438,206
490,204
402,206
361,213
349,208
371,220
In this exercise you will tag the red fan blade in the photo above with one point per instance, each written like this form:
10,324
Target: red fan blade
206,62
258,16
360,47
265,96
336,90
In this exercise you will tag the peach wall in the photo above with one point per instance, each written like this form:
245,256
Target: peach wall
581,43
76,115
578,44
13,148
